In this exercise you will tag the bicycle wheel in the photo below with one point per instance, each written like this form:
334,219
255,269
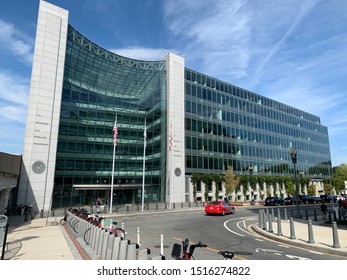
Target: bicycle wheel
120,232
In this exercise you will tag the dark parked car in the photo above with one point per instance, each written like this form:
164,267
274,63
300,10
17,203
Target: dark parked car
291,200
274,201
328,198
308,199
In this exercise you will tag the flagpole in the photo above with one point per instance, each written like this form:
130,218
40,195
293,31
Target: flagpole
171,163
144,164
113,160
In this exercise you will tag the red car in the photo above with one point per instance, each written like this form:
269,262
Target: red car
219,207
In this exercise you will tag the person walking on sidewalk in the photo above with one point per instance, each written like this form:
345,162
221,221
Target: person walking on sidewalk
324,210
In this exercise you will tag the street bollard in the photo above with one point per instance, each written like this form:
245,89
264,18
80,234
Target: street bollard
336,243
138,236
162,244
279,212
279,226
127,208
335,218
270,223
157,206
292,230
315,215
260,219
264,221
285,214
310,232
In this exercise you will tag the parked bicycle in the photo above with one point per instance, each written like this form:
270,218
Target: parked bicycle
181,252
117,231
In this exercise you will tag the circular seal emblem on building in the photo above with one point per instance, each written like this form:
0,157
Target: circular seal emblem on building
38,167
178,172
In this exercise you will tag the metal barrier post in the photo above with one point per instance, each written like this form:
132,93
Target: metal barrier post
279,226
310,232
336,243
292,230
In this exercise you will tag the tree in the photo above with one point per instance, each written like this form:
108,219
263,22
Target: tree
339,176
311,190
217,178
231,181
194,180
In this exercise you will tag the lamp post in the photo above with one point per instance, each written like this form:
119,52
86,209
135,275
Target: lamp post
293,155
250,169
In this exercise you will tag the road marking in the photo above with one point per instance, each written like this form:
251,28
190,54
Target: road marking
284,246
225,225
261,240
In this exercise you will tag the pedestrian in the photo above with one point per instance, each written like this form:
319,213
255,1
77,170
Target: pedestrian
225,198
340,202
324,210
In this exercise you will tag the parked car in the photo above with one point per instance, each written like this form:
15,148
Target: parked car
291,200
274,201
317,200
328,198
308,199
220,207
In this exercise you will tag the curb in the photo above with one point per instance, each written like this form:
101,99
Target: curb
297,243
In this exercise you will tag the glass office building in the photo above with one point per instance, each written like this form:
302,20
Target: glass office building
193,123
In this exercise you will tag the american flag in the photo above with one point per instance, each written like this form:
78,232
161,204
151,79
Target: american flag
145,135
170,142
115,133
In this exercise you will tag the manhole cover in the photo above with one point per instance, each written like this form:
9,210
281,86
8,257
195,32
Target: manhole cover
158,246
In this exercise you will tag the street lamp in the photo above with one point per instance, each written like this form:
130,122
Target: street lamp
293,155
250,170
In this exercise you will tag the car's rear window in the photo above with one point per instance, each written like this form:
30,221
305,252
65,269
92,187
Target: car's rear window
215,202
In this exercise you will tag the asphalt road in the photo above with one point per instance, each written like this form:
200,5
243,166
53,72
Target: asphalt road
230,232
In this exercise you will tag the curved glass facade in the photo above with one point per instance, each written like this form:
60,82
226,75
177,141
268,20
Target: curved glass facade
98,87
227,125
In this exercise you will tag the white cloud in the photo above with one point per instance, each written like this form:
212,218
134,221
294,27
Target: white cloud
13,41
13,97
14,89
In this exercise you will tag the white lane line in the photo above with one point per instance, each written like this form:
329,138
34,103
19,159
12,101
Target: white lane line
284,246
261,240
225,225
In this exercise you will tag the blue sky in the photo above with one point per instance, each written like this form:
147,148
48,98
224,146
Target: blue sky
292,51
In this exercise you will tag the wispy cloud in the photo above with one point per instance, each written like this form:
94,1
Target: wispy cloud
217,31
13,97
16,43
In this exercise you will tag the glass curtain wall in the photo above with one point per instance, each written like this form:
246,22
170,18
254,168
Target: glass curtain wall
227,125
98,87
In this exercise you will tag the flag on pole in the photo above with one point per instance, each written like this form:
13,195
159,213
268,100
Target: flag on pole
115,133
145,135
170,142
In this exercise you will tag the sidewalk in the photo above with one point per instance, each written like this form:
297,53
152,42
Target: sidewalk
38,239
321,240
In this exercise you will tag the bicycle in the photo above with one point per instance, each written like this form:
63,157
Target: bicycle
181,252
117,231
